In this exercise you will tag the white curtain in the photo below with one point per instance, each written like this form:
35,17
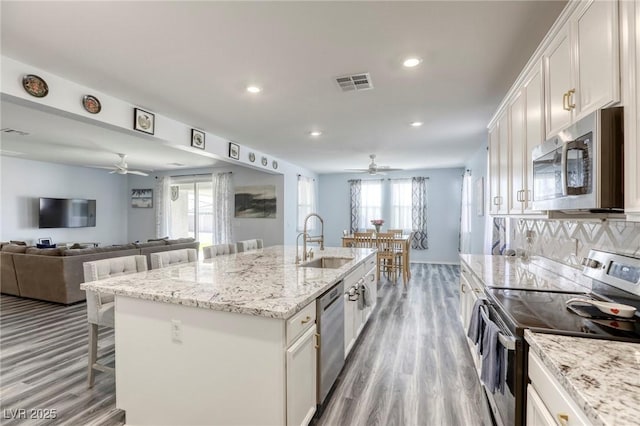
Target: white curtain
370,202
306,201
465,214
163,206
401,204
222,208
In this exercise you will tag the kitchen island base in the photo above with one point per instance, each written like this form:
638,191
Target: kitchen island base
215,368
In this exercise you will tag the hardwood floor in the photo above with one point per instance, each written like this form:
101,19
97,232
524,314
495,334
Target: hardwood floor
43,366
410,367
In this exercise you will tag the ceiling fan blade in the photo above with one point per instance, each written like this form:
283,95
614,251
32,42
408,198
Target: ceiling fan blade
388,169
113,171
357,170
136,172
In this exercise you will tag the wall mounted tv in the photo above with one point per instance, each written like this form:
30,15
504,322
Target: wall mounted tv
67,213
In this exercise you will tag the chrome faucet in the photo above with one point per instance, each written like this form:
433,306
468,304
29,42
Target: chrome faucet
309,239
304,234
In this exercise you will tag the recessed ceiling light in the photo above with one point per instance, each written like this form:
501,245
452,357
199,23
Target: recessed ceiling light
412,62
254,89
315,133
416,123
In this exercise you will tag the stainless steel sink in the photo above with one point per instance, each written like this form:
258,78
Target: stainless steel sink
327,262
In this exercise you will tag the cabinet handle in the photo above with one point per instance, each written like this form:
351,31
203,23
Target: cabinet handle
462,288
518,193
563,419
306,320
565,101
495,201
570,94
316,338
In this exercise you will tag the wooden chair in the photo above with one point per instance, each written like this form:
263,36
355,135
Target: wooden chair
172,257
387,256
395,232
363,240
100,307
249,245
218,250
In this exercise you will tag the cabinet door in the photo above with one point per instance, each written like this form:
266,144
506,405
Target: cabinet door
301,379
596,44
558,82
533,129
537,413
494,169
517,145
632,112
349,332
503,129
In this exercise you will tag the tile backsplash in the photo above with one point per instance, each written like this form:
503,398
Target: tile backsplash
568,241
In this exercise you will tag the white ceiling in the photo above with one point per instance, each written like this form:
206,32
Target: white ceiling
192,60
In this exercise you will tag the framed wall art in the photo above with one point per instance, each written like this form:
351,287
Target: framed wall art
142,198
257,201
234,151
197,138
144,121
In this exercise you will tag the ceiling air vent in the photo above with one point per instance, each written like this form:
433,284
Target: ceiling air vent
355,82
13,131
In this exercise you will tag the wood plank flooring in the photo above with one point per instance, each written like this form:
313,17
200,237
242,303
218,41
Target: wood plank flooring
410,367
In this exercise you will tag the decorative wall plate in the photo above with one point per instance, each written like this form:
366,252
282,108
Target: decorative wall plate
274,163
252,157
265,161
35,86
91,104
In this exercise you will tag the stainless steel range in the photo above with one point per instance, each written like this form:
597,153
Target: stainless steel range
615,280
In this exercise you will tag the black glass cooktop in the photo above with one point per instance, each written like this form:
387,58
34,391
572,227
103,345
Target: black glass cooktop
546,311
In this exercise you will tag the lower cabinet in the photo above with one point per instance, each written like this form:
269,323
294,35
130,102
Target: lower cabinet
301,378
356,313
547,402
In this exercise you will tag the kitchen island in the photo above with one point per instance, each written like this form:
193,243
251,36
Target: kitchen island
227,340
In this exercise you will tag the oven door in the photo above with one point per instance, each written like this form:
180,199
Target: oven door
503,398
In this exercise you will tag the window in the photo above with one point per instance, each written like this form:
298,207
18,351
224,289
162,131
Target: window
370,202
401,204
191,208
306,200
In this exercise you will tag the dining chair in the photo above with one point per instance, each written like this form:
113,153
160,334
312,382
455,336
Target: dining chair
387,255
218,250
395,232
249,245
363,240
172,257
100,307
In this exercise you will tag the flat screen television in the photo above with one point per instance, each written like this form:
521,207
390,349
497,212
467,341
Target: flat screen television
67,213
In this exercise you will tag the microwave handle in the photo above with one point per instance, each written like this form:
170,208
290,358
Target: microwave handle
576,144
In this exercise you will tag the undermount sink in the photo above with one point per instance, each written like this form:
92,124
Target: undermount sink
327,262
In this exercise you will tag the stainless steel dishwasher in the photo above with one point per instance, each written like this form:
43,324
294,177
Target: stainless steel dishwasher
330,318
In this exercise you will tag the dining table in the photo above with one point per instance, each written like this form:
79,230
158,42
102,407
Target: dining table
404,241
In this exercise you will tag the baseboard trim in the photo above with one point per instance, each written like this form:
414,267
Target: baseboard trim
428,262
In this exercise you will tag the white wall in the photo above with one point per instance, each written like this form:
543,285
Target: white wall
142,221
23,182
443,195
478,166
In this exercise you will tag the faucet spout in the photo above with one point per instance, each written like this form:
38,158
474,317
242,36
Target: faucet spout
316,239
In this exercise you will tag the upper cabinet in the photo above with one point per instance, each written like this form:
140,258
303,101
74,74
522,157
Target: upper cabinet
498,165
630,72
581,65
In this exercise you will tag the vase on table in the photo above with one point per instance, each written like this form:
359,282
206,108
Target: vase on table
377,228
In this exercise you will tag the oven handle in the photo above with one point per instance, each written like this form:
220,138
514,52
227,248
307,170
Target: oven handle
509,342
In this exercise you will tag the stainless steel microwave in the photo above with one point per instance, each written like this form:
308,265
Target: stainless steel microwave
582,167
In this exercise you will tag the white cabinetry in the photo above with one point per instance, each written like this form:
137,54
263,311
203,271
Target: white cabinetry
470,291
301,378
498,165
517,145
582,65
630,33
547,402
356,313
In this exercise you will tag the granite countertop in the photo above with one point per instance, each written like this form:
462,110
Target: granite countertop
515,272
265,282
601,376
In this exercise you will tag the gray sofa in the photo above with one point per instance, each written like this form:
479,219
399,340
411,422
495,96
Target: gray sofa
55,274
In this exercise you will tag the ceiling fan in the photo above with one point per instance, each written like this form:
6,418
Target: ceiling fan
122,168
375,169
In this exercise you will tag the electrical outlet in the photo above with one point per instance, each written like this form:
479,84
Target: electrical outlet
176,331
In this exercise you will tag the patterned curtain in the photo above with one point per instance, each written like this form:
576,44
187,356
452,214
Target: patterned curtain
499,235
419,213
222,206
163,206
355,187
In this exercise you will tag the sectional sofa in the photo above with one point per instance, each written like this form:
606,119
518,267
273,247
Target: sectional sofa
55,274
